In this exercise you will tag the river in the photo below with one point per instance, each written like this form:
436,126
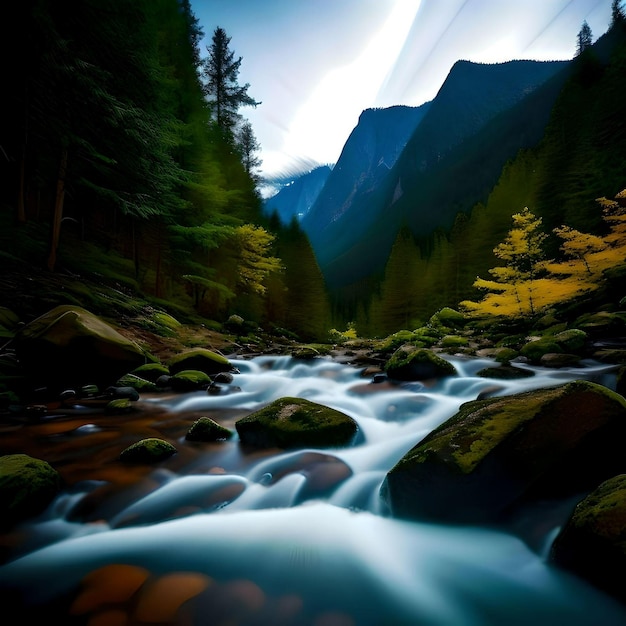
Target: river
220,535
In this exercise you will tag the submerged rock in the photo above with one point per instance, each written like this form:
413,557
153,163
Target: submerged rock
296,422
496,453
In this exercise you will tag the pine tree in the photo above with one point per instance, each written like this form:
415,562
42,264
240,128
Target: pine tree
220,72
584,38
617,13
248,147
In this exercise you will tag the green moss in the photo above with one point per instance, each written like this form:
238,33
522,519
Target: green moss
151,371
296,422
27,486
534,350
604,510
479,426
136,382
119,405
148,450
199,359
206,429
453,341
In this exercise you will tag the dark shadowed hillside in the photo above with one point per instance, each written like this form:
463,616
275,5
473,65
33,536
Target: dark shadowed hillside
481,117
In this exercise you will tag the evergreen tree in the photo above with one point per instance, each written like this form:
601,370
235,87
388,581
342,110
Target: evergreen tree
221,72
248,147
400,300
617,13
584,38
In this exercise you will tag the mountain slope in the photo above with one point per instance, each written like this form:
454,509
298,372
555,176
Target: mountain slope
296,198
369,153
481,117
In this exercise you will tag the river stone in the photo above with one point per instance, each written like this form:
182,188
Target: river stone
497,453
70,345
27,487
189,380
200,359
294,423
206,429
410,363
592,543
150,450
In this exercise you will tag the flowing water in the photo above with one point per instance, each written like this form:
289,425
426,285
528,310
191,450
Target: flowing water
229,536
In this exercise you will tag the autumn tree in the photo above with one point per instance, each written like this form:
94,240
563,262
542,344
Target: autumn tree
225,95
579,246
513,290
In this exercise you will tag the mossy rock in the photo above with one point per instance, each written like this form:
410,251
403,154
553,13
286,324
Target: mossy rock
393,342
410,363
150,450
71,346
305,353
592,543
206,429
454,341
572,340
119,405
136,382
505,355
448,318
499,452
151,371
296,423
190,380
601,323
200,359
534,350
505,372
27,486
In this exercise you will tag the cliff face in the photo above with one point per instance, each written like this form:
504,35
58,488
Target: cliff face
400,165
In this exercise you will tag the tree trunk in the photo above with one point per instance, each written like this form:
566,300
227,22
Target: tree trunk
58,212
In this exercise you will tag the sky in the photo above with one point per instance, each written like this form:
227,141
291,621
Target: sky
315,65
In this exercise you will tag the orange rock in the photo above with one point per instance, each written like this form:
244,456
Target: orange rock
110,584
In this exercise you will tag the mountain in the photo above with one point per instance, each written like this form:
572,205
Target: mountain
481,117
370,152
296,198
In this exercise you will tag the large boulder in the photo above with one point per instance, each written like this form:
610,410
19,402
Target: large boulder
27,487
296,423
495,454
410,363
592,543
71,346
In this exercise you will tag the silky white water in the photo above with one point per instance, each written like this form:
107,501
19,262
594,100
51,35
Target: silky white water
336,549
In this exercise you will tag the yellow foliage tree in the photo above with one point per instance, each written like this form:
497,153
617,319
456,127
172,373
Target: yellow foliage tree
254,261
527,283
513,292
